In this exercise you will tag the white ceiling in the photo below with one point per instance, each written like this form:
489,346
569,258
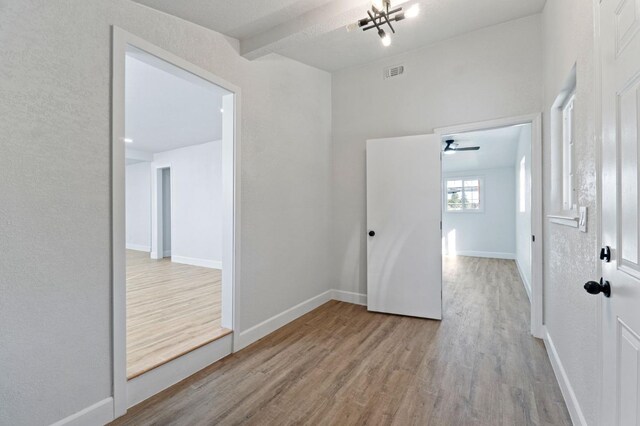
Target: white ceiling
498,148
168,108
313,31
239,19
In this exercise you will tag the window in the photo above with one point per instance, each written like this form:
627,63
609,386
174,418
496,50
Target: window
567,153
522,186
463,194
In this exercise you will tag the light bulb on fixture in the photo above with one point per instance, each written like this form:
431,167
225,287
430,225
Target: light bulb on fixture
413,11
353,26
385,38
378,4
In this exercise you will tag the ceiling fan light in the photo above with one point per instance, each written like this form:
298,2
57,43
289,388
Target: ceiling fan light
413,11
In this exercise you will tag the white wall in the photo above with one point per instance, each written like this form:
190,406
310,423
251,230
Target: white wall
55,356
138,202
571,316
491,73
523,218
196,202
488,233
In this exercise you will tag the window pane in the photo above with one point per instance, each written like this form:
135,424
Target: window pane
457,184
454,200
454,195
471,198
522,187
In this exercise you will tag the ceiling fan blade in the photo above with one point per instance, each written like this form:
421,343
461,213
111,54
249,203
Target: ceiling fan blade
470,148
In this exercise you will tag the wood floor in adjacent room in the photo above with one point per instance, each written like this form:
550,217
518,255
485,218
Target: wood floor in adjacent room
342,365
171,309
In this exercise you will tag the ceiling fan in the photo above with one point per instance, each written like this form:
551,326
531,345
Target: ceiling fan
452,147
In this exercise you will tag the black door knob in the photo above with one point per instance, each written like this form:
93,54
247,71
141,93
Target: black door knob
594,287
372,233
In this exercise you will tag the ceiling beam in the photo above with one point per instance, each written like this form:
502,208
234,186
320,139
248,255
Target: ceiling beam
317,22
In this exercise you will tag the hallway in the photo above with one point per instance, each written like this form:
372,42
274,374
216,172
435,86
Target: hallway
340,364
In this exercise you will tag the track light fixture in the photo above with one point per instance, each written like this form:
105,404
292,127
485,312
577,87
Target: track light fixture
381,14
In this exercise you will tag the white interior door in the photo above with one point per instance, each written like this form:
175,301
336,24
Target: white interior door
620,49
404,254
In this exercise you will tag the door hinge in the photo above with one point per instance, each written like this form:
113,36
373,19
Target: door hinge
533,238
441,225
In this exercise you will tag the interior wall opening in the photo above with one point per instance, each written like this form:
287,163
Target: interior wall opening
179,209
487,210
166,212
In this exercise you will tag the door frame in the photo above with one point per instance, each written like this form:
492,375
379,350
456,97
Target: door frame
537,267
121,39
157,209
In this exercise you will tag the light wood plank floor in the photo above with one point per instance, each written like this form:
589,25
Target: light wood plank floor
342,365
171,309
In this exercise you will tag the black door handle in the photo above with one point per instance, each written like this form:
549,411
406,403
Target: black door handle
594,287
372,233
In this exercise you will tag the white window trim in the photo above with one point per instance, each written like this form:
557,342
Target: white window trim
480,180
567,112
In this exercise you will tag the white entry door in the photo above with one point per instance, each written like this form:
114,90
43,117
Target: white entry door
620,49
404,249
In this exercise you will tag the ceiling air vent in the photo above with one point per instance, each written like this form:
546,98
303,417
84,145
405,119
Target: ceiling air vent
393,71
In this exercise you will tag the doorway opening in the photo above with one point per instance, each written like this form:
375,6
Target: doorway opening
487,198
491,213
166,212
173,132
174,219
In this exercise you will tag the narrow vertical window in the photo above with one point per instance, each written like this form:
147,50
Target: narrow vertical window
522,187
567,154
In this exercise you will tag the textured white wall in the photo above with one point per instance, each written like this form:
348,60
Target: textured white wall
138,205
55,309
492,73
196,198
523,218
491,231
570,314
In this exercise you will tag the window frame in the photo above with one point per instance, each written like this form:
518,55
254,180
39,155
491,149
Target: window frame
481,190
567,113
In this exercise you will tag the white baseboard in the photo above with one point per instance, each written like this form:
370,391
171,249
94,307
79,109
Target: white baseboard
99,413
138,247
206,263
525,281
577,417
160,378
270,325
349,297
490,254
